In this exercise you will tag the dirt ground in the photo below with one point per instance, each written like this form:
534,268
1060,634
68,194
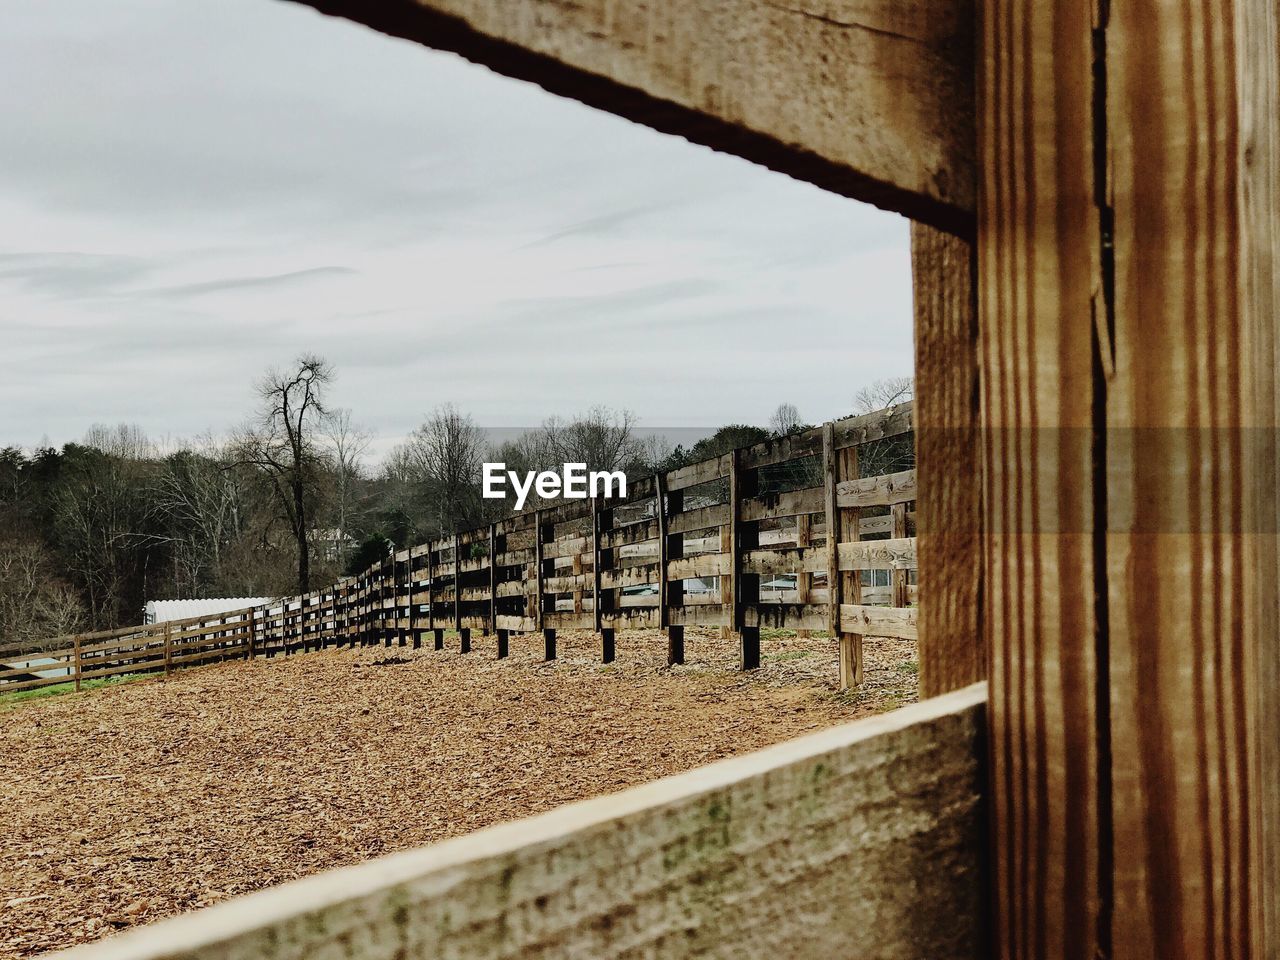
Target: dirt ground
133,802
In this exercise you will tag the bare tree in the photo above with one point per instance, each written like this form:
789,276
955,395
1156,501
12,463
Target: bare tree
126,441
347,444
34,603
283,444
602,438
785,419
883,393
102,521
202,497
444,457
891,454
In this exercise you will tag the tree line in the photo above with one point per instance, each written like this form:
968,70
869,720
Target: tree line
285,502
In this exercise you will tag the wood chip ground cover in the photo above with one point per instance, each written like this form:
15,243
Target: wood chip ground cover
137,801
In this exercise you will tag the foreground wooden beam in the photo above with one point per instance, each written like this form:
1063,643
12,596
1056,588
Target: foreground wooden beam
865,840
1127,309
868,99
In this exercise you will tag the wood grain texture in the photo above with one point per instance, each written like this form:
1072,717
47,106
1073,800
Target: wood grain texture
1258,77
1126,252
1038,266
865,840
952,651
869,98
1187,399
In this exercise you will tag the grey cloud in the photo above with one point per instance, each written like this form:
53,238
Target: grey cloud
244,139
67,274
243,283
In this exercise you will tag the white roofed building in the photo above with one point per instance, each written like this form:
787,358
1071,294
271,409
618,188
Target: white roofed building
162,611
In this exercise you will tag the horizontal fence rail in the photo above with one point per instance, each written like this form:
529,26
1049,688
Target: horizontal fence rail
798,532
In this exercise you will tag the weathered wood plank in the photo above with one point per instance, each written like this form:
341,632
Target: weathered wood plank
1187,395
698,473
700,519
775,505
863,840
880,491
880,621
878,425
893,554
952,652
791,560
1039,262
703,565
802,88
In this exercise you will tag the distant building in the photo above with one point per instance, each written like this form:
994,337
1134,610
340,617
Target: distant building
162,611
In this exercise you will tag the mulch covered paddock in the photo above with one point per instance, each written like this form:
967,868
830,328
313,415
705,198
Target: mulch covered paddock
130,803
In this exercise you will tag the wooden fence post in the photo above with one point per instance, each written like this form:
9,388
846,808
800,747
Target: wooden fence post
168,650
415,635
804,581
433,574
79,663
744,536
842,527
898,575
602,524
539,539
949,467
727,603
500,635
386,586
671,547
464,636
1127,244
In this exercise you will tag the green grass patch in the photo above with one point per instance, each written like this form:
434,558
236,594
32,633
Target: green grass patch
911,667
57,689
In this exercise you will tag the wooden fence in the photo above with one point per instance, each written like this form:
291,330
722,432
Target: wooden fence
787,534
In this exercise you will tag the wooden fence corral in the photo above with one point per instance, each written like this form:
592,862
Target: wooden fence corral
760,512
864,840
152,648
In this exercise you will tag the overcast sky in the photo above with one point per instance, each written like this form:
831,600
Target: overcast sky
194,191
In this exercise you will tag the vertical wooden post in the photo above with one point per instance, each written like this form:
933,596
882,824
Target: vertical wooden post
538,573
401,580
951,650
493,586
843,526
79,662
464,635
898,576
602,524
804,581
835,596
168,651
850,531
665,503
1127,314
726,581
249,626
414,631
673,549
540,536
746,588
387,588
